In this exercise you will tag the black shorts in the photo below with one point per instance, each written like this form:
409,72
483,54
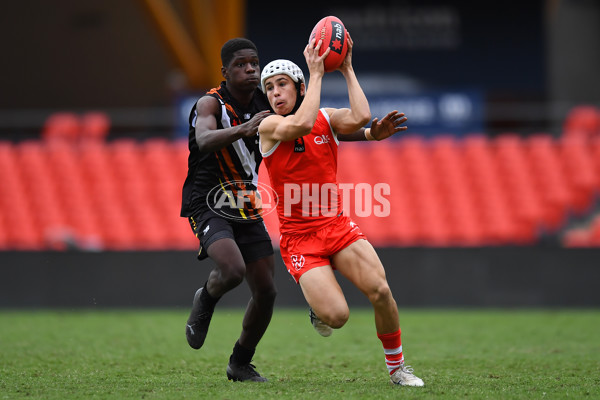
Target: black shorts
252,238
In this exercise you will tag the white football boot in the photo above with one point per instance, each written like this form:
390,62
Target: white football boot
321,327
404,377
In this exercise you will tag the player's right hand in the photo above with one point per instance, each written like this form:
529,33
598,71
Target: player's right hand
254,122
314,61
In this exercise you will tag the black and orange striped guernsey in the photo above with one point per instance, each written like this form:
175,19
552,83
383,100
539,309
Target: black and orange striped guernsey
225,180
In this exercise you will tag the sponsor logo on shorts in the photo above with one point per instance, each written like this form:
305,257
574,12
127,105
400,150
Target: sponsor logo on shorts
297,261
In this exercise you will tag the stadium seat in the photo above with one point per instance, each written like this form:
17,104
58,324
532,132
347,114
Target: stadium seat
520,187
579,237
21,230
95,126
41,185
422,191
164,185
595,231
582,121
65,126
549,179
443,191
488,182
397,228
581,173
455,188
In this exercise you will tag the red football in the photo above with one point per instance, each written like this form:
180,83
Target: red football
333,33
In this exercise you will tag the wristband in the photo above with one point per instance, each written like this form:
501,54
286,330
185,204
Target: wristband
368,134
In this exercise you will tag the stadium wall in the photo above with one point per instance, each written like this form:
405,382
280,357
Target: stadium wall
419,277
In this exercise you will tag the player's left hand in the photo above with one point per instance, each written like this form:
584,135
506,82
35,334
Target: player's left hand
347,63
388,125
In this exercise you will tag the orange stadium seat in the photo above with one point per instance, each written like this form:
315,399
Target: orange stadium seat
455,187
490,201
550,179
397,228
21,230
582,121
41,183
95,126
580,172
594,149
422,192
579,237
362,172
595,231
443,191
167,168
525,203
62,125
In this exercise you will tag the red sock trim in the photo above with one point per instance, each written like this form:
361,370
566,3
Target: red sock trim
390,340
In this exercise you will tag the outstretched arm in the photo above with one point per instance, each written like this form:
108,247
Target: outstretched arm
379,130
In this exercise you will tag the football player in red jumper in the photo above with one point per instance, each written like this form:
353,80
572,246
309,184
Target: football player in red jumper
299,148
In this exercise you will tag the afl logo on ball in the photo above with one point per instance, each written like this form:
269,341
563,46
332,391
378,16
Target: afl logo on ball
337,37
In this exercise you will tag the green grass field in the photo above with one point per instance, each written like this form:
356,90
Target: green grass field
460,354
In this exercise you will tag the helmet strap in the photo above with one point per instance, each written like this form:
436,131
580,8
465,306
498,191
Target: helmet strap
299,98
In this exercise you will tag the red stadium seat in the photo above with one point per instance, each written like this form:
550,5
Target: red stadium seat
595,231
95,126
443,191
525,202
490,201
20,228
580,171
64,126
549,179
455,187
582,121
577,238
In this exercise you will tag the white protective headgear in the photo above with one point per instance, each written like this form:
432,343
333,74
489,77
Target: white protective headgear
277,67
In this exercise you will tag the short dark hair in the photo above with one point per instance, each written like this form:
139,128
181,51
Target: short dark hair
233,45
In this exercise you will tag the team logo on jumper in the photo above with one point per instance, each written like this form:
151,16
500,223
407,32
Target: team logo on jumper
299,145
237,199
297,261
